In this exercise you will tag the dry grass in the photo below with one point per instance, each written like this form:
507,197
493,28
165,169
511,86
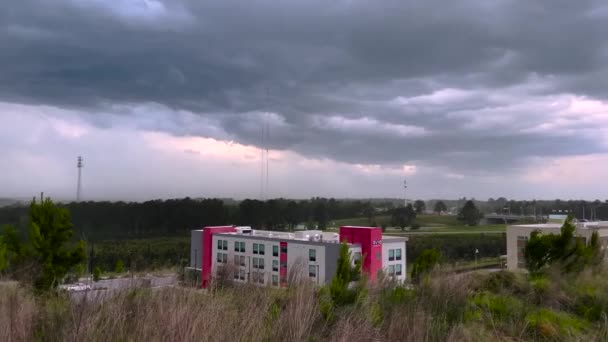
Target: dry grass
436,311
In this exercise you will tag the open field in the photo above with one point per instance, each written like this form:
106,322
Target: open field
441,224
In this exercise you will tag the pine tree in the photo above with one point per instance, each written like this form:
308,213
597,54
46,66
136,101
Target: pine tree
339,288
50,235
469,214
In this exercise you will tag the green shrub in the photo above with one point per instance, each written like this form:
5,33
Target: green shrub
425,263
120,266
398,295
590,300
96,273
499,306
503,281
548,323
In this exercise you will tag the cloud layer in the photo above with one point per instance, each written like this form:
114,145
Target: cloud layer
490,90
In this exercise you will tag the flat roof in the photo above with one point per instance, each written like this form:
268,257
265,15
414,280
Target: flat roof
305,235
360,227
316,236
539,225
579,225
389,238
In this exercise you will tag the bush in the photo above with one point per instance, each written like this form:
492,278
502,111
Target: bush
504,282
96,273
415,226
499,307
120,266
549,323
425,263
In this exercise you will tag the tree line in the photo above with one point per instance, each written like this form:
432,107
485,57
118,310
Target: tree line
176,217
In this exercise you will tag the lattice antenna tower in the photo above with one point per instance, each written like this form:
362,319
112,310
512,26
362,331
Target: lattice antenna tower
404,193
264,152
79,165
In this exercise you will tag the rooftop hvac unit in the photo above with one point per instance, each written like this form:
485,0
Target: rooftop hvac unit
244,230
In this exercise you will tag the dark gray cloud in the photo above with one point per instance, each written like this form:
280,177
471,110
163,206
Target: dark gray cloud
460,86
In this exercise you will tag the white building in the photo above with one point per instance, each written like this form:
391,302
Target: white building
518,236
273,258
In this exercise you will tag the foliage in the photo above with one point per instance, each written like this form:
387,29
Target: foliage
457,247
320,215
340,286
141,254
415,226
443,308
549,323
403,216
419,206
120,266
370,213
565,248
440,207
3,255
427,260
500,307
469,214
96,273
16,251
50,236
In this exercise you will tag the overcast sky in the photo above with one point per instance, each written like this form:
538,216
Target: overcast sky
168,98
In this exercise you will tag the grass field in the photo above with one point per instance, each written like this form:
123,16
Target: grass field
429,224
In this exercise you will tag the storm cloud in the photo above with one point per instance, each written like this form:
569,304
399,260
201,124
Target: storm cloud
472,88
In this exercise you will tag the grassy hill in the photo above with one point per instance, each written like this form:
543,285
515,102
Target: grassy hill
500,306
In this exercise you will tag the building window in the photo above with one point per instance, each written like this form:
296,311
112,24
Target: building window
242,274
255,262
357,257
261,278
398,254
262,249
312,255
225,245
275,265
236,274
312,271
254,277
236,260
391,270
391,254
225,258
261,263
255,248
237,246
284,249
284,264
522,241
398,270
242,260
275,280
219,245
242,247
275,251
219,257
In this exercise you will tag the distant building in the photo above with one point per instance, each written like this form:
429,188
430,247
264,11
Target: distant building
518,236
271,258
